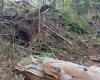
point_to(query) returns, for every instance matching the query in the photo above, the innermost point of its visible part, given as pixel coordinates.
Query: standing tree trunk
(77, 7)
(87, 6)
(2, 5)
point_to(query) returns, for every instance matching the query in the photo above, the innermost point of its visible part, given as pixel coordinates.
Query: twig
(61, 54)
(14, 41)
(17, 46)
(4, 34)
(39, 25)
(6, 27)
(58, 35)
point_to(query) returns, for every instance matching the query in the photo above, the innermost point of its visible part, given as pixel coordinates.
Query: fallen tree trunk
(36, 68)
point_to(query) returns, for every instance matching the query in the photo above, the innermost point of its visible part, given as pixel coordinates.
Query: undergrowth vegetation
(65, 35)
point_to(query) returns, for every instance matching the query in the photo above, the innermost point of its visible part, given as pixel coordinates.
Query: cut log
(55, 70)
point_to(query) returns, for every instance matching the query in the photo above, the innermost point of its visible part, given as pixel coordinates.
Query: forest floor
(45, 36)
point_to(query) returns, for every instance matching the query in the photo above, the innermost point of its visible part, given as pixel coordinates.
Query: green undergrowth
(46, 54)
(70, 20)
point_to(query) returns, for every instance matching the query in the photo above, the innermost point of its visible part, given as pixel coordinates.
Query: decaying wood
(95, 59)
(42, 9)
(56, 69)
(58, 35)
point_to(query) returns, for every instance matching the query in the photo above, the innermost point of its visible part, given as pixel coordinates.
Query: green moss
(46, 54)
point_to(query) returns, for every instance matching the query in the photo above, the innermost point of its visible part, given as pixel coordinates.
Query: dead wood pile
(41, 32)
(35, 30)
